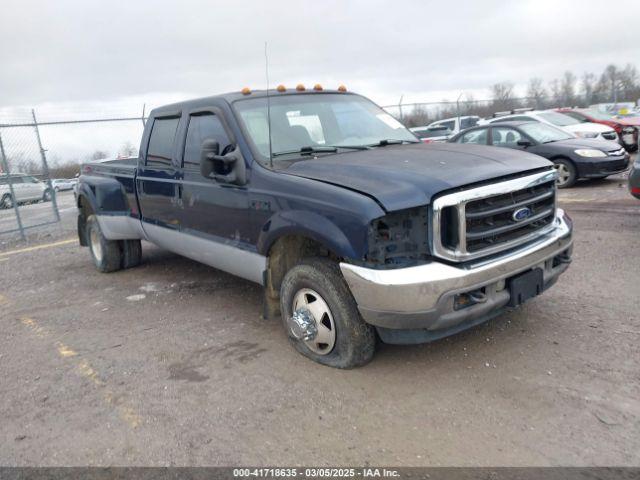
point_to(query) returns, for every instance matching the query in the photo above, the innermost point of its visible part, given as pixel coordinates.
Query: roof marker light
(342, 88)
(300, 87)
(245, 91)
(281, 88)
(317, 87)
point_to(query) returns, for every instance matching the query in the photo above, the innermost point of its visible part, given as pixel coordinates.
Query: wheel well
(284, 254)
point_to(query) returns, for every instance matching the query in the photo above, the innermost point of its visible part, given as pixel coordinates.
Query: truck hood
(405, 176)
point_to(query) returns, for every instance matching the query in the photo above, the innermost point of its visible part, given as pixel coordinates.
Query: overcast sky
(80, 55)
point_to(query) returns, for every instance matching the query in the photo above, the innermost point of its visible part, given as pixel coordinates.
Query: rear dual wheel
(111, 255)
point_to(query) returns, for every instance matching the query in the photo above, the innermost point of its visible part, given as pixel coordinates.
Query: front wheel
(567, 174)
(46, 196)
(321, 317)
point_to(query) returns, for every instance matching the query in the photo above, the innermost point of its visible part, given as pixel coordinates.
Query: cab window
(163, 134)
(206, 126)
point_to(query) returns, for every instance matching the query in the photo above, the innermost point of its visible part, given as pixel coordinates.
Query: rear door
(33, 189)
(159, 176)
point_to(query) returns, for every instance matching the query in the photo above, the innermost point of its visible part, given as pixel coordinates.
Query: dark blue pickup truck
(353, 227)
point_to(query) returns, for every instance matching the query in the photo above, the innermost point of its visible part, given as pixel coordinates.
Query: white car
(560, 120)
(25, 188)
(61, 184)
(456, 124)
(432, 134)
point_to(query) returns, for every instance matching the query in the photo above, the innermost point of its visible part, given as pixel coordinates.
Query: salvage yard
(170, 364)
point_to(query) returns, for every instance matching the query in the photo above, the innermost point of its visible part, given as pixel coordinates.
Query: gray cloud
(76, 50)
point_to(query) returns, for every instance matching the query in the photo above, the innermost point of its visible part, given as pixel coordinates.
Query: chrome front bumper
(422, 297)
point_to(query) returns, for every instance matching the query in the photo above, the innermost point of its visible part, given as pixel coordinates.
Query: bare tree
(588, 88)
(611, 76)
(568, 89)
(502, 96)
(127, 150)
(99, 155)
(556, 92)
(628, 80)
(536, 92)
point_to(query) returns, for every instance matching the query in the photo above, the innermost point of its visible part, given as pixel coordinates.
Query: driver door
(211, 207)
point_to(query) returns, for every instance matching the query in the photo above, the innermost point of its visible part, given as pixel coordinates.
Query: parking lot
(171, 364)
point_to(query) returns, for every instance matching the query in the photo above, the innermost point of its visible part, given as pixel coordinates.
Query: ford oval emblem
(522, 214)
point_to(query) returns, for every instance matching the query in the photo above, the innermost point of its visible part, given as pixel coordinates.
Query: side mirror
(228, 168)
(524, 143)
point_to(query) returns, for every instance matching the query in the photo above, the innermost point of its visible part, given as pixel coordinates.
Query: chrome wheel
(96, 245)
(563, 174)
(312, 322)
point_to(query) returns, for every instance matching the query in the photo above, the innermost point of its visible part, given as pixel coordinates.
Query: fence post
(5, 168)
(54, 201)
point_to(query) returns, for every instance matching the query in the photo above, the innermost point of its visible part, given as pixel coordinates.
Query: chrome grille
(488, 219)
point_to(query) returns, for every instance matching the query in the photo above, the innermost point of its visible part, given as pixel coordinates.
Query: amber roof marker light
(342, 88)
(281, 88)
(300, 87)
(246, 91)
(317, 87)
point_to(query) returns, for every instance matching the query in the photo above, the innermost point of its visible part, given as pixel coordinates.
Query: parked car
(62, 184)
(432, 134)
(26, 189)
(456, 124)
(634, 178)
(572, 157)
(627, 128)
(350, 223)
(557, 119)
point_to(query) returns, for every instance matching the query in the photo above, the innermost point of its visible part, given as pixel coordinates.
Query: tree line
(614, 84)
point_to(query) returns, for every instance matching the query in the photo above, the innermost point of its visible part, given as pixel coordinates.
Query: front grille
(610, 135)
(485, 220)
(491, 221)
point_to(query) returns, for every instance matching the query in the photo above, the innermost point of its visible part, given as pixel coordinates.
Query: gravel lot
(170, 364)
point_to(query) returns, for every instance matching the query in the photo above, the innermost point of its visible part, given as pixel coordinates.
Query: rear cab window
(161, 142)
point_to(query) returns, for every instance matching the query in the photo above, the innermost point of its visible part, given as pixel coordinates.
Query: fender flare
(104, 195)
(306, 224)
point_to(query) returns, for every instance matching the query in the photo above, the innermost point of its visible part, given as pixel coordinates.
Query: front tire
(46, 196)
(567, 173)
(106, 254)
(316, 292)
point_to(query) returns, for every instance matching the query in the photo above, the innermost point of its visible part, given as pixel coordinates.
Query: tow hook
(302, 325)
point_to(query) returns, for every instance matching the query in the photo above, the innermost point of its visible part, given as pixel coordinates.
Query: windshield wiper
(306, 151)
(320, 149)
(384, 143)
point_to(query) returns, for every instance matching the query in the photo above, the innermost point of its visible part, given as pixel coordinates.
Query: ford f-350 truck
(353, 227)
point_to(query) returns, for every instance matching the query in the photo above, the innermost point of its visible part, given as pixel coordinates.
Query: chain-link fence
(31, 176)
(21, 151)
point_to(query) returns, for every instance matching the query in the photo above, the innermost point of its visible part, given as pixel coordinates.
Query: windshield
(468, 122)
(543, 133)
(317, 121)
(559, 119)
(598, 115)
